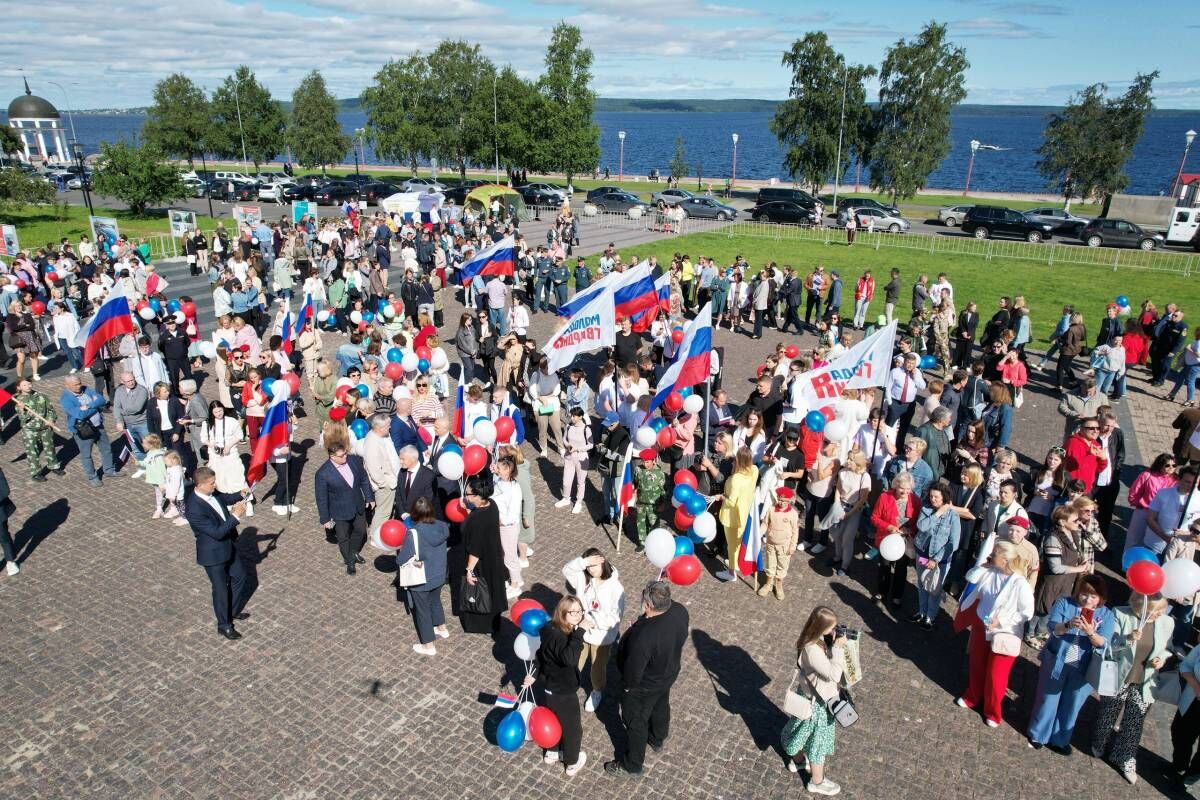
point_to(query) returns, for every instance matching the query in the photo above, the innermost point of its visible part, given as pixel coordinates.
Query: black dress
(481, 538)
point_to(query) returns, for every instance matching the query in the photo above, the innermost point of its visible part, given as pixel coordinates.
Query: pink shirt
(1146, 486)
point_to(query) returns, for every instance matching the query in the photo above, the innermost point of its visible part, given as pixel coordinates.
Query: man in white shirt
(147, 366)
(942, 292)
(382, 463)
(1172, 511)
(904, 382)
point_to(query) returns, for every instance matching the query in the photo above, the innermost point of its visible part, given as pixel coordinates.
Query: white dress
(222, 441)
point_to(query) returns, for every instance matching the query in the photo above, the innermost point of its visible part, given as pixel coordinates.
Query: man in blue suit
(214, 525)
(404, 429)
(344, 494)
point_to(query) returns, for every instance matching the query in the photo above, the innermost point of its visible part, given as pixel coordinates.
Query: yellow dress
(739, 500)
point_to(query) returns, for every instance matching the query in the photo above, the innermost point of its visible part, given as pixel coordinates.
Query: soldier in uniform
(650, 482)
(37, 416)
(941, 336)
(559, 276)
(543, 267)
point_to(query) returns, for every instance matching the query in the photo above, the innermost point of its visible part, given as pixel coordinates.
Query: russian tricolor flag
(692, 363)
(307, 313)
(273, 435)
(634, 291)
(111, 320)
(460, 416)
(626, 494)
(750, 552)
(662, 290)
(286, 332)
(495, 260)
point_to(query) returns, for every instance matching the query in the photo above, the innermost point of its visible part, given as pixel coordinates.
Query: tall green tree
(678, 166)
(1086, 145)
(240, 97)
(313, 131)
(10, 142)
(18, 189)
(920, 82)
(138, 175)
(514, 141)
(828, 98)
(458, 93)
(394, 103)
(179, 120)
(569, 139)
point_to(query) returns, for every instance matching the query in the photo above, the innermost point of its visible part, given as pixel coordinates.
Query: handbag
(842, 709)
(412, 572)
(85, 429)
(1007, 644)
(477, 598)
(795, 704)
(1103, 675)
(1167, 687)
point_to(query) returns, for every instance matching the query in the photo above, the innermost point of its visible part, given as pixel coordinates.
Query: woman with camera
(821, 659)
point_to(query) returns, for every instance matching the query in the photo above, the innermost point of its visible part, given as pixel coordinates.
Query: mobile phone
(1087, 614)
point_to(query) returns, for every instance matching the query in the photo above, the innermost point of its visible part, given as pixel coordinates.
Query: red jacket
(1081, 464)
(865, 288)
(887, 513)
(810, 445)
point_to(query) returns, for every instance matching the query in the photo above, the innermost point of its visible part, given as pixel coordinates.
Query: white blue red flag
(498, 259)
(273, 435)
(633, 291)
(111, 320)
(692, 361)
(750, 551)
(642, 320)
(626, 493)
(581, 299)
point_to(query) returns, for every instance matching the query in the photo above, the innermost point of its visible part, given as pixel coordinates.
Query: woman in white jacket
(595, 582)
(221, 434)
(996, 611)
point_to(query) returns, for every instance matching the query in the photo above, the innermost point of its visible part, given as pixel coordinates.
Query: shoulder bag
(1103, 674)
(795, 704)
(412, 572)
(477, 598)
(85, 429)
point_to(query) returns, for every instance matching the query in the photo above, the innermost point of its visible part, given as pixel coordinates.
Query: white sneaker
(172, 512)
(13, 568)
(441, 632)
(280, 510)
(593, 701)
(563, 503)
(425, 649)
(817, 549)
(294, 509)
(792, 766)
(958, 701)
(800, 547)
(73, 371)
(578, 509)
(825, 787)
(726, 576)
(524, 562)
(43, 358)
(550, 757)
(510, 592)
(180, 522)
(37, 377)
(528, 552)
(573, 770)
(991, 723)
(139, 472)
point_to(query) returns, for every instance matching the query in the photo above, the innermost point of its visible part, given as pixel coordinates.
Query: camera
(842, 630)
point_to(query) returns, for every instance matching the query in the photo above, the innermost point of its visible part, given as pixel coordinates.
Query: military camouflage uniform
(941, 341)
(650, 484)
(39, 439)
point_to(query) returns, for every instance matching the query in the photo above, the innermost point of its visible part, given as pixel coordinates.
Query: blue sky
(1020, 52)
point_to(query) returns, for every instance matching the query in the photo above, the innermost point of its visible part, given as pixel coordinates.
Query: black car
(772, 193)
(865, 202)
(619, 201)
(376, 190)
(602, 190)
(784, 211)
(538, 195)
(1119, 233)
(300, 191)
(983, 222)
(335, 192)
(357, 178)
(458, 193)
(231, 191)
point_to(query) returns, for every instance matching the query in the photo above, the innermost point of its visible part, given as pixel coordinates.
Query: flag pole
(707, 404)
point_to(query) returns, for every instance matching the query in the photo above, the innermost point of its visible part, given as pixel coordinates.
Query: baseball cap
(611, 418)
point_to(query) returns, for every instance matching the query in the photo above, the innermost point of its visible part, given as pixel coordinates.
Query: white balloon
(180, 317)
(526, 710)
(660, 548)
(693, 404)
(147, 313)
(439, 359)
(410, 361)
(892, 547)
(837, 430)
(389, 312)
(646, 437)
(207, 349)
(281, 389)
(705, 526)
(378, 544)
(1181, 578)
(664, 530)
(356, 317)
(525, 646)
(484, 431)
(323, 315)
(450, 465)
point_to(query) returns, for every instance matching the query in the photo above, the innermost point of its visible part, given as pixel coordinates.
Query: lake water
(650, 144)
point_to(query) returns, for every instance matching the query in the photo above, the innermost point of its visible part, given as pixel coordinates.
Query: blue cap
(611, 418)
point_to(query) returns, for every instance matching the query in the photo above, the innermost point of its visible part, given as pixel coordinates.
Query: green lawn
(1046, 288)
(37, 225)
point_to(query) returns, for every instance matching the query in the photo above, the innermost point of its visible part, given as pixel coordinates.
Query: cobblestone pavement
(116, 685)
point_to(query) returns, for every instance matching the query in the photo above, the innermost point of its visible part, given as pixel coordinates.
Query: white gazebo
(39, 127)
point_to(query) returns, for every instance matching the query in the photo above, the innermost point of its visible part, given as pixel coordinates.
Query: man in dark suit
(964, 335)
(415, 480)
(404, 430)
(215, 527)
(444, 488)
(1108, 482)
(344, 494)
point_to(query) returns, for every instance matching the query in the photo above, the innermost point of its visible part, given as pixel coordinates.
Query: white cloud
(995, 28)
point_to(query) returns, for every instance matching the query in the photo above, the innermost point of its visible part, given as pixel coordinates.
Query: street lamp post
(496, 124)
(241, 131)
(358, 132)
(837, 164)
(971, 165)
(70, 114)
(621, 160)
(733, 177)
(77, 151)
(1188, 138)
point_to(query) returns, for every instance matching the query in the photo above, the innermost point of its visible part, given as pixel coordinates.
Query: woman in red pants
(996, 611)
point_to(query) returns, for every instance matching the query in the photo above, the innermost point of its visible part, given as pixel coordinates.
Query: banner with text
(10, 245)
(863, 366)
(182, 221)
(591, 327)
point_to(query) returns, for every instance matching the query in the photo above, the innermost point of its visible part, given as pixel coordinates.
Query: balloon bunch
(528, 720)
(327, 318)
(1122, 305)
(675, 557)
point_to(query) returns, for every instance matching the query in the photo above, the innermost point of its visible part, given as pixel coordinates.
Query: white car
(274, 191)
(953, 215)
(422, 185)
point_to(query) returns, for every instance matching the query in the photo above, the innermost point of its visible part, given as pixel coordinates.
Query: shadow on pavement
(38, 527)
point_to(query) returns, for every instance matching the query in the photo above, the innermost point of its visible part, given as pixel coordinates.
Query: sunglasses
(1091, 428)
(422, 385)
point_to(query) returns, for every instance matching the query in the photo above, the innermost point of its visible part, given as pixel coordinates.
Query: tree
(569, 139)
(313, 131)
(517, 104)
(394, 102)
(10, 142)
(826, 111)
(1086, 145)
(678, 166)
(458, 86)
(18, 189)
(921, 81)
(179, 120)
(245, 119)
(137, 175)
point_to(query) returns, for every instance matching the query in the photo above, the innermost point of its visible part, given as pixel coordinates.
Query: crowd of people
(182, 402)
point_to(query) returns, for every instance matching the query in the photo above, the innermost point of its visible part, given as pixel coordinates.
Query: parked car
(458, 193)
(1063, 221)
(707, 208)
(376, 190)
(299, 191)
(601, 190)
(865, 202)
(335, 192)
(673, 196)
(195, 185)
(225, 175)
(771, 193)
(983, 222)
(952, 215)
(232, 191)
(274, 191)
(543, 194)
(423, 185)
(618, 201)
(272, 177)
(1119, 233)
(875, 218)
(784, 211)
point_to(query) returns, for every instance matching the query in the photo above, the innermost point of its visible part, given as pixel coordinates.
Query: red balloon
(1145, 577)
(392, 533)
(337, 413)
(455, 511)
(393, 371)
(544, 728)
(761, 369)
(140, 305)
(521, 606)
(505, 428)
(666, 438)
(37, 307)
(424, 352)
(293, 380)
(683, 520)
(189, 309)
(398, 307)
(51, 277)
(674, 401)
(686, 476)
(791, 351)
(340, 393)
(828, 413)
(677, 336)
(474, 459)
(21, 284)
(684, 570)
(362, 326)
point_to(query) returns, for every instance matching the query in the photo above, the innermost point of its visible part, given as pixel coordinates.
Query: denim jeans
(85, 454)
(74, 354)
(1104, 380)
(499, 320)
(1188, 374)
(608, 489)
(860, 312)
(1118, 387)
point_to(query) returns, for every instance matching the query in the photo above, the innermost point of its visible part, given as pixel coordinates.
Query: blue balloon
(368, 316)
(657, 424)
(223, 343)
(331, 320)
(684, 546)
(395, 355)
(267, 383)
(696, 504)
(423, 366)
(685, 392)
(174, 305)
(156, 304)
(363, 390)
(360, 428)
(511, 733)
(692, 537)
(1136, 554)
(533, 620)
(381, 306)
(451, 447)
(928, 361)
(683, 493)
(1122, 300)
(814, 421)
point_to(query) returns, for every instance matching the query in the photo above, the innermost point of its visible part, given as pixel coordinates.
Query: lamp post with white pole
(241, 131)
(496, 124)
(733, 177)
(621, 159)
(1188, 138)
(70, 115)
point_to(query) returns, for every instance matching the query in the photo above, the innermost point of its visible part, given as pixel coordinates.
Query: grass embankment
(1046, 288)
(37, 225)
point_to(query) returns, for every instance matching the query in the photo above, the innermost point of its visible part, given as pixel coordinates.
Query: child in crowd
(650, 484)
(156, 469)
(782, 533)
(172, 488)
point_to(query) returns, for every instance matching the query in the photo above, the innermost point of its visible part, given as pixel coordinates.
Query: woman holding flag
(737, 503)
